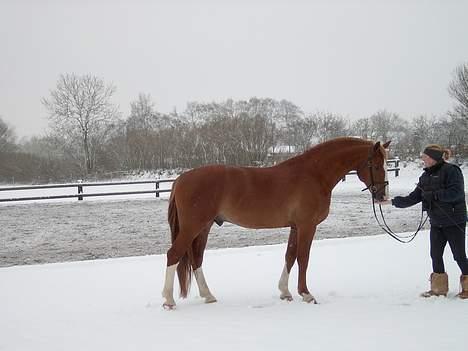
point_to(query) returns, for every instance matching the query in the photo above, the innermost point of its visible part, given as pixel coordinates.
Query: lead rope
(405, 239)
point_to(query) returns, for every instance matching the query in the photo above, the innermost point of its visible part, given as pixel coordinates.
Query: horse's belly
(269, 209)
(255, 219)
(259, 224)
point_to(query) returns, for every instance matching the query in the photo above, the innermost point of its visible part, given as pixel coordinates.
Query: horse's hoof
(309, 298)
(210, 299)
(168, 306)
(288, 298)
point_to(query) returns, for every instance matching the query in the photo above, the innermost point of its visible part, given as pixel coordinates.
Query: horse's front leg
(304, 241)
(290, 257)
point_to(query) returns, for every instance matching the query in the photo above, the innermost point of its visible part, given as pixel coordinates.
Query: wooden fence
(80, 193)
(393, 163)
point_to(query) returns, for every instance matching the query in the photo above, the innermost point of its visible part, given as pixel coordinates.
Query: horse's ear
(387, 144)
(376, 146)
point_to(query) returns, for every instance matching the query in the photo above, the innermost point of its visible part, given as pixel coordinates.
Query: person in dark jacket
(442, 193)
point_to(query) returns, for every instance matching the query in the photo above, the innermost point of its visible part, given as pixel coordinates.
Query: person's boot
(439, 285)
(464, 287)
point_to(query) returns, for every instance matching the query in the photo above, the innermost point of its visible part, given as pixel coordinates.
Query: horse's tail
(184, 268)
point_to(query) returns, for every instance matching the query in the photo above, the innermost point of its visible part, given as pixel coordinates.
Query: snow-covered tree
(81, 113)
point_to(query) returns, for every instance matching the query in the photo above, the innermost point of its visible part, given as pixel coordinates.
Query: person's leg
(439, 279)
(438, 242)
(456, 238)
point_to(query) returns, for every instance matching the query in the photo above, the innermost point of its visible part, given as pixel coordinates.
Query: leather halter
(374, 187)
(405, 239)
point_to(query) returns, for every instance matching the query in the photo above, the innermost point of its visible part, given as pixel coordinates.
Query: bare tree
(141, 130)
(256, 135)
(288, 114)
(330, 126)
(304, 132)
(385, 125)
(80, 112)
(7, 137)
(422, 133)
(458, 89)
(362, 128)
(452, 132)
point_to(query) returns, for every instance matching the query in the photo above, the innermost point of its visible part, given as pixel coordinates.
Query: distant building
(279, 153)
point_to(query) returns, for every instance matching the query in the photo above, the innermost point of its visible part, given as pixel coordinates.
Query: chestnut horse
(295, 193)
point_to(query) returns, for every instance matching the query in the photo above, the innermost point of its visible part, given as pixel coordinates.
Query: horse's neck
(338, 163)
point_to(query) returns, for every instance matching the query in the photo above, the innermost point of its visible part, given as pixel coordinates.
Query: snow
(367, 288)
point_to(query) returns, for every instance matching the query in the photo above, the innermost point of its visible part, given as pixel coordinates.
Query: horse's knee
(290, 259)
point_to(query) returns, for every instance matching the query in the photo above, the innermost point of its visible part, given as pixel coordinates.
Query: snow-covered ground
(367, 290)
(367, 287)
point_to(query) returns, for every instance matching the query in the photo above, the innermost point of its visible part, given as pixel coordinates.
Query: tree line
(88, 136)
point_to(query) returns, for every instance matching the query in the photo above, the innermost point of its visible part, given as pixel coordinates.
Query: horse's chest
(315, 208)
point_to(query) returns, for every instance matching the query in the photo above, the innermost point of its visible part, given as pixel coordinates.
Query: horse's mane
(340, 142)
(325, 147)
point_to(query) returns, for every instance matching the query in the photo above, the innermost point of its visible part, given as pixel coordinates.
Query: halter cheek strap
(373, 185)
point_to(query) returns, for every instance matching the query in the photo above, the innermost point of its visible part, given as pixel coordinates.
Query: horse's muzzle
(378, 193)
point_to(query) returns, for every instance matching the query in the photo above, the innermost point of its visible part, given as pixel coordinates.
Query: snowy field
(367, 289)
(367, 286)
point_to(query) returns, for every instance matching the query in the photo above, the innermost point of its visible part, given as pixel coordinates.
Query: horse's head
(373, 172)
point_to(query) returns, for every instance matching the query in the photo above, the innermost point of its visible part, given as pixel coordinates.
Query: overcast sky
(348, 57)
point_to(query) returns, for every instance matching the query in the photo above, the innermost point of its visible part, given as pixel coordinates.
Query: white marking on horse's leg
(283, 285)
(203, 286)
(309, 298)
(168, 290)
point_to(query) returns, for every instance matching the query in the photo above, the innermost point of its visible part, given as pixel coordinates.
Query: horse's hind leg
(198, 248)
(168, 289)
(290, 257)
(175, 253)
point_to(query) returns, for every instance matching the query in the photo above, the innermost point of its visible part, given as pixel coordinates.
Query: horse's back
(227, 181)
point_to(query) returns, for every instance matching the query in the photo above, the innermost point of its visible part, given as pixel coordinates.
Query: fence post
(80, 191)
(157, 188)
(397, 166)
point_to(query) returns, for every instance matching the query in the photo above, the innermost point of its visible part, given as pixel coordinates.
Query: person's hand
(384, 202)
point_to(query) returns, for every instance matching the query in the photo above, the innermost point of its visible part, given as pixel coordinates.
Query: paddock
(367, 288)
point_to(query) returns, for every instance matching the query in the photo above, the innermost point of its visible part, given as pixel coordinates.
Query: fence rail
(395, 167)
(81, 195)
(80, 186)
